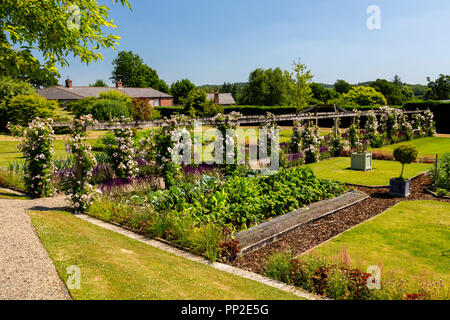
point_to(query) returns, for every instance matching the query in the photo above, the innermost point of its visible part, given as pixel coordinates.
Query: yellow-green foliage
(364, 96)
(22, 109)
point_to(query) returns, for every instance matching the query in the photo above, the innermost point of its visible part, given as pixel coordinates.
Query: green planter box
(362, 161)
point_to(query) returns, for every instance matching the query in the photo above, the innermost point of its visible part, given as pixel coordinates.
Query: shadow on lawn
(44, 209)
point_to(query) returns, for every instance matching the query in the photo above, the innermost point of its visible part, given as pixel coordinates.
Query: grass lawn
(411, 240)
(339, 169)
(116, 267)
(9, 152)
(427, 146)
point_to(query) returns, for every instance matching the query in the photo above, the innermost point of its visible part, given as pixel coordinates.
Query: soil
(313, 234)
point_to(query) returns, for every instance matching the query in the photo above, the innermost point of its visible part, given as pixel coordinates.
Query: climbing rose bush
(405, 126)
(311, 139)
(336, 142)
(270, 129)
(371, 128)
(122, 154)
(227, 125)
(37, 146)
(389, 122)
(418, 123)
(295, 145)
(429, 124)
(77, 184)
(167, 142)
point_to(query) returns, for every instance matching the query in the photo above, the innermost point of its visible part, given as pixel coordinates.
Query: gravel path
(26, 270)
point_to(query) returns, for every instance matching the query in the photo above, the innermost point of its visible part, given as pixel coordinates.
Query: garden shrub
(109, 110)
(443, 172)
(82, 107)
(364, 96)
(142, 110)
(22, 109)
(10, 88)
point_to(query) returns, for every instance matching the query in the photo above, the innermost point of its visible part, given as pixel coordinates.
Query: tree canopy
(438, 89)
(48, 27)
(364, 96)
(98, 83)
(342, 86)
(130, 69)
(394, 92)
(181, 89)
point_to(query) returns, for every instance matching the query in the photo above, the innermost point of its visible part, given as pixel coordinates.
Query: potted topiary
(401, 187)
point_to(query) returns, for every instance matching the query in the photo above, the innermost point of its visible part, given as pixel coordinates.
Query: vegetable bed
(202, 216)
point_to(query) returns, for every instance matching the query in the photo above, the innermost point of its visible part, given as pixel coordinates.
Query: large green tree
(265, 88)
(342, 86)
(55, 29)
(322, 94)
(438, 89)
(181, 89)
(130, 69)
(298, 88)
(392, 91)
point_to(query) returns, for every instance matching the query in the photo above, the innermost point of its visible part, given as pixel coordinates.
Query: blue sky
(212, 41)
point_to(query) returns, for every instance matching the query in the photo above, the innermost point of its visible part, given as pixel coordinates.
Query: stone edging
(218, 266)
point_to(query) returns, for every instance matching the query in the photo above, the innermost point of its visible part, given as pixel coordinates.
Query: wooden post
(436, 175)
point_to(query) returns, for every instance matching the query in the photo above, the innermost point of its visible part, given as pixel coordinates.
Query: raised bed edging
(259, 230)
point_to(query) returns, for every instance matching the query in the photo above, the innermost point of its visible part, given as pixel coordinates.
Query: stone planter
(362, 161)
(400, 188)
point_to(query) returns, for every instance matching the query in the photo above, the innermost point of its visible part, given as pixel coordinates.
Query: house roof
(76, 93)
(224, 98)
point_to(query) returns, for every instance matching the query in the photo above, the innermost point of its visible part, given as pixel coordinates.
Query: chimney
(119, 84)
(68, 83)
(216, 97)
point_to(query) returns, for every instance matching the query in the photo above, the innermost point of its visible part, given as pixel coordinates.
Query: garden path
(26, 270)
